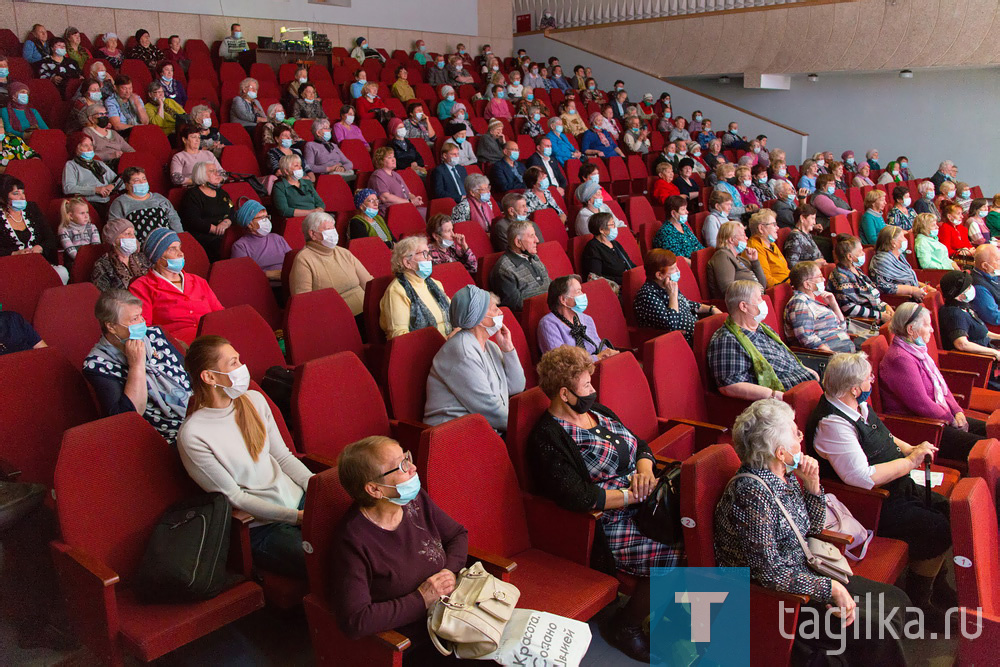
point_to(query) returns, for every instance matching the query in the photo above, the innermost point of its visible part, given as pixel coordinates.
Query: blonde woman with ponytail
(230, 444)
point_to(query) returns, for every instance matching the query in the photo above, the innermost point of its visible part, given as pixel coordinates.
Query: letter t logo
(701, 612)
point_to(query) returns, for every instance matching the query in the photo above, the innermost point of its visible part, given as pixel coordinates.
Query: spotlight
(906, 74)
(723, 80)
(813, 77)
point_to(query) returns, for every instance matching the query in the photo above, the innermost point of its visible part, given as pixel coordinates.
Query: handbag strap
(798, 535)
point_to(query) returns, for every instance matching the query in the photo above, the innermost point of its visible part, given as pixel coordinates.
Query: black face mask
(583, 404)
(103, 122)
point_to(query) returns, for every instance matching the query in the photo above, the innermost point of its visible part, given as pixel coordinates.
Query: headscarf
(598, 119)
(13, 105)
(114, 228)
(358, 41)
(157, 243)
(451, 129)
(394, 124)
(586, 191)
(455, 108)
(361, 195)
(248, 211)
(846, 154)
(446, 90)
(139, 33)
(469, 307)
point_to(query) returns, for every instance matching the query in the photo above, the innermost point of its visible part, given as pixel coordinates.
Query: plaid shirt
(812, 323)
(856, 294)
(800, 247)
(730, 364)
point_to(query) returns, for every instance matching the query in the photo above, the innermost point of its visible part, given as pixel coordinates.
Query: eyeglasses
(404, 466)
(422, 255)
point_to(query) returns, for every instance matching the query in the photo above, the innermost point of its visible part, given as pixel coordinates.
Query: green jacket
(287, 197)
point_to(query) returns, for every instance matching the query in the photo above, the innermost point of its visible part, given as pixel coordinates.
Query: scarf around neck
(923, 356)
(578, 330)
(762, 368)
(170, 396)
(420, 315)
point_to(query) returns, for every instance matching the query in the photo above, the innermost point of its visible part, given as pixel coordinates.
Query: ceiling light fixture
(905, 74)
(814, 77)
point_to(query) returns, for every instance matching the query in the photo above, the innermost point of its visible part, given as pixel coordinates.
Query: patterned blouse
(652, 309)
(856, 294)
(535, 204)
(762, 191)
(800, 247)
(14, 148)
(109, 273)
(751, 531)
(602, 449)
(900, 219)
(682, 243)
(441, 255)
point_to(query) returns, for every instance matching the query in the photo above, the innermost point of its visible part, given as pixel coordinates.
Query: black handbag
(277, 384)
(185, 559)
(816, 362)
(659, 515)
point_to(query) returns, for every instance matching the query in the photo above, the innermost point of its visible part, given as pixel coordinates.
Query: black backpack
(185, 559)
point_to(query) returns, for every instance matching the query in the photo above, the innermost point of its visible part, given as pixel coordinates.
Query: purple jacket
(906, 387)
(552, 333)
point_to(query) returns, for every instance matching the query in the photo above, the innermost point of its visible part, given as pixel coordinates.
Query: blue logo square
(701, 615)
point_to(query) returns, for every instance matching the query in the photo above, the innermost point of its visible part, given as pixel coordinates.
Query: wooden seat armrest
(394, 640)
(498, 566)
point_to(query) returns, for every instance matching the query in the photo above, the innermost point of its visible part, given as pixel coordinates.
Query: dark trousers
(277, 547)
(956, 443)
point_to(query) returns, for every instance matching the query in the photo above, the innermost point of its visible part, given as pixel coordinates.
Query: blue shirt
(985, 303)
(32, 53)
(562, 149)
(807, 183)
(356, 88)
(590, 141)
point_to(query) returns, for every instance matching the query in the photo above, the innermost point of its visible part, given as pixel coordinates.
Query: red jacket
(663, 189)
(954, 237)
(366, 108)
(177, 313)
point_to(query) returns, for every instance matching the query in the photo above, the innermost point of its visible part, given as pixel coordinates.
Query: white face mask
(401, 132)
(497, 324)
(762, 312)
(263, 227)
(330, 238)
(128, 245)
(240, 379)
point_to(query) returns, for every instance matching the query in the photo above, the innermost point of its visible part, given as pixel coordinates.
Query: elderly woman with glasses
(163, 111)
(323, 156)
(413, 300)
(777, 484)
(395, 552)
(566, 322)
(890, 271)
(472, 374)
(123, 262)
(854, 446)
(206, 209)
(477, 205)
(246, 110)
(585, 459)
(134, 367)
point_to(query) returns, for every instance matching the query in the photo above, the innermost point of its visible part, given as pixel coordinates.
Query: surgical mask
(460, 117)
(419, 115)
(327, 135)
(969, 294)
(683, 218)
(613, 234)
(670, 154)
(763, 179)
(101, 76)
(370, 96)
(446, 243)
(400, 132)
(746, 183)
(87, 155)
(951, 194)
(558, 129)
(934, 234)
(166, 79)
(907, 201)
(514, 155)
(965, 194)
(530, 97)
(207, 121)
(740, 247)
(450, 98)
(440, 64)
(407, 490)
(4, 72)
(95, 96)
(796, 459)
(737, 132)
(697, 117)
(497, 325)
(919, 341)
(298, 174)
(484, 197)
(595, 177)
(791, 198)
(287, 143)
(135, 332)
(240, 379)
(454, 162)
(782, 171)
(904, 164)
(929, 194)
(303, 79)
(537, 117)
(761, 312)
(583, 404)
(330, 238)
(521, 218)
(349, 119)
(903, 247)
(279, 116)
(667, 114)
(128, 246)
(756, 149)
(820, 285)
(830, 189)
(580, 303)
(599, 202)
(982, 213)
(591, 87)
(544, 185)
(175, 264)
(362, 82)
(60, 52)
(696, 153)
(422, 47)
(252, 94)
(850, 160)
(675, 276)
(424, 268)
(238, 34)
(22, 98)
(371, 212)
(863, 396)
(19, 204)
(572, 111)
(821, 162)
(263, 227)
(140, 189)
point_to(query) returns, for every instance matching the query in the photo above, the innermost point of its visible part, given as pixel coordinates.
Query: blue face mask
(440, 64)
(279, 116)
(536, 117)
(598, 203)
(675, 276)
(580, 303)
(450, 98)
(683, 218)
(22, 98)
(863, 396)
(613, 234)
(529, 97)
(558, 129)
(140, 189)
(904, 164)
(175, 265)
(521, 218)
(424, 268)
(919, 341)
(87, 155)
(484, 197)
(137, 331)
(544, 185)
(547, 151)
(459, 140)
(741, 246)
(4, 72)
(859, 262)
(371, 212)
(934, 234)
(19, 204)
(286, 143)
(407, 491)
(830, 189)
(796, 459)
(791, 198)
(514, 155)
(326, 135)
(501, 94)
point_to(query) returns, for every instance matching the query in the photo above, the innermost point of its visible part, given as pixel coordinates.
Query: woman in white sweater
(229, 443)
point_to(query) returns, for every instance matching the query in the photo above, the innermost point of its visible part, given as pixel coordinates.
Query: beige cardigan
(318, 267)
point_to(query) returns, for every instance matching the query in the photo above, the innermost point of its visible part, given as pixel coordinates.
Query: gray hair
(741, 291)
(108, 309)
(758, 430)
(474, 181)
(516, 231)
(844, 371)
(947, 164)
(784, 186)
(285, 163)
(153, 87)
(312, 222)
(404, 248)
(871, 152)
(273, 109)
(510, 199)
(925, 186)
(200, 109)
(319, 124)
(908, 313)
(245, 84)
(95, 109)
(553, 120)
(199, 173)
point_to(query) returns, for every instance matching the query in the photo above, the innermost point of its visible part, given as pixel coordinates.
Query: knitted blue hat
(361, 195)
(157, 243)
(248, 211)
